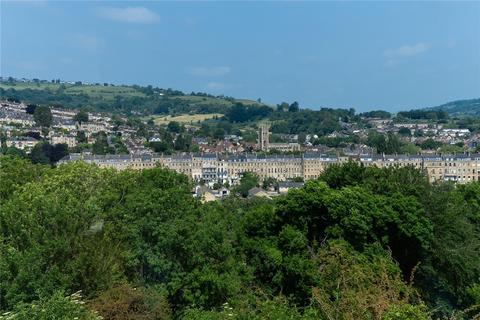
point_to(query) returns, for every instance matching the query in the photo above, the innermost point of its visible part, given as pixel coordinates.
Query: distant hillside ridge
(128, 99)
(460, 108)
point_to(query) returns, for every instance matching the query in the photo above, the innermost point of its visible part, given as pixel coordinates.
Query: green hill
(117, 98)
(460, 108)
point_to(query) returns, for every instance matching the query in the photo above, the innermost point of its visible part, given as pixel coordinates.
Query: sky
(365, 55)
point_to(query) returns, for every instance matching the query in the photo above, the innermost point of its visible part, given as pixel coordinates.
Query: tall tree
(81, 116)
(294, 107)
(43, 116)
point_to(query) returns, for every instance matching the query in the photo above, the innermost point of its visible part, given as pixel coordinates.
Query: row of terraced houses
(229, 168)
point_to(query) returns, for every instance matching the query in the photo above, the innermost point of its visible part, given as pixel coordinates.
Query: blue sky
(365, 55)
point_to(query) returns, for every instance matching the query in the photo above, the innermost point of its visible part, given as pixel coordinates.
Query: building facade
(213, 168)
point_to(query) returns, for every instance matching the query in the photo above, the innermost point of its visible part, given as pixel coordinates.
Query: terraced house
(229, 168)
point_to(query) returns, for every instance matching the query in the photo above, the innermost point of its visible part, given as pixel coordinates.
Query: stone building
(264, 143)
(212, 168)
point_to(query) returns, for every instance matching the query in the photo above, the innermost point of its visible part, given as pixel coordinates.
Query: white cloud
(130, 14)
(407, 50)
(210, 71)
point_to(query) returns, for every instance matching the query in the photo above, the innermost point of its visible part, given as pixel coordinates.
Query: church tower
(263, 133)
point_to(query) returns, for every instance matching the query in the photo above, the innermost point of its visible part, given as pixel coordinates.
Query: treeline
(358, 243)
(150, 103)
(424, 114)
(377, 114)
(323, 121)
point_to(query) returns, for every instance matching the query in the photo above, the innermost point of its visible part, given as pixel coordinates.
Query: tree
(13, 151)
(174, 126)
(14, 173)
(160, 146)
(81, 116)
(270, 183)
(282, 107)
(101, 144)
(52, 239)
(81, 137)
(449, 211)
(45, 153)
(183, 142)
(162, 108)
(377, 114)
(410, 148)
(39, 153)
(57, 152)
(404, 132)
(294, 107)
(248, 181)
(361, 285)
(43, 116)
(388, 144)
(430, 144)
(31, 108)
(360, 217)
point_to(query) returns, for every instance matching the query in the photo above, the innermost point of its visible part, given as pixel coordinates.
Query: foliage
(423, 114)
(241, 113)
(387, 144)
(321, 122)
(430, 144)
(455, 246)
(248, 181)
(358, 243)
(81, 116)
(16, 172)
(461, 108)
(43, 116)
(45, 153)
(55, 307)
(406, 312)
(358, 285)
(124, 302)
(51, 236)
(376, 114)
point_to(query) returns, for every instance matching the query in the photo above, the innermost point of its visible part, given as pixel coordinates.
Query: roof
(290, 184)
(257, 192)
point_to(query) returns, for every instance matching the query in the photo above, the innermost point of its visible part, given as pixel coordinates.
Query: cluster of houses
(423, 130)
(22, 132)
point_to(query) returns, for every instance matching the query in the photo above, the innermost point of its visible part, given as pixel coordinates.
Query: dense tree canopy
(358, 243)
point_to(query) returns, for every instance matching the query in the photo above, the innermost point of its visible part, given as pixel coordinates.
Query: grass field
(108, 93)
(198, 100)
(185, 118)
(98, 91)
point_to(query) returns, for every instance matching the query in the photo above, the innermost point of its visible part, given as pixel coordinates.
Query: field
(103, 98)
(199, 100)
(186, 118)
(97, 91)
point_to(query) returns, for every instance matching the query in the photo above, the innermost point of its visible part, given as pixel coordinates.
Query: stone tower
(263, 133)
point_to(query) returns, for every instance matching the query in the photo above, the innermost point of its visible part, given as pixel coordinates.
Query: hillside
(109, 98)
(460, 108)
